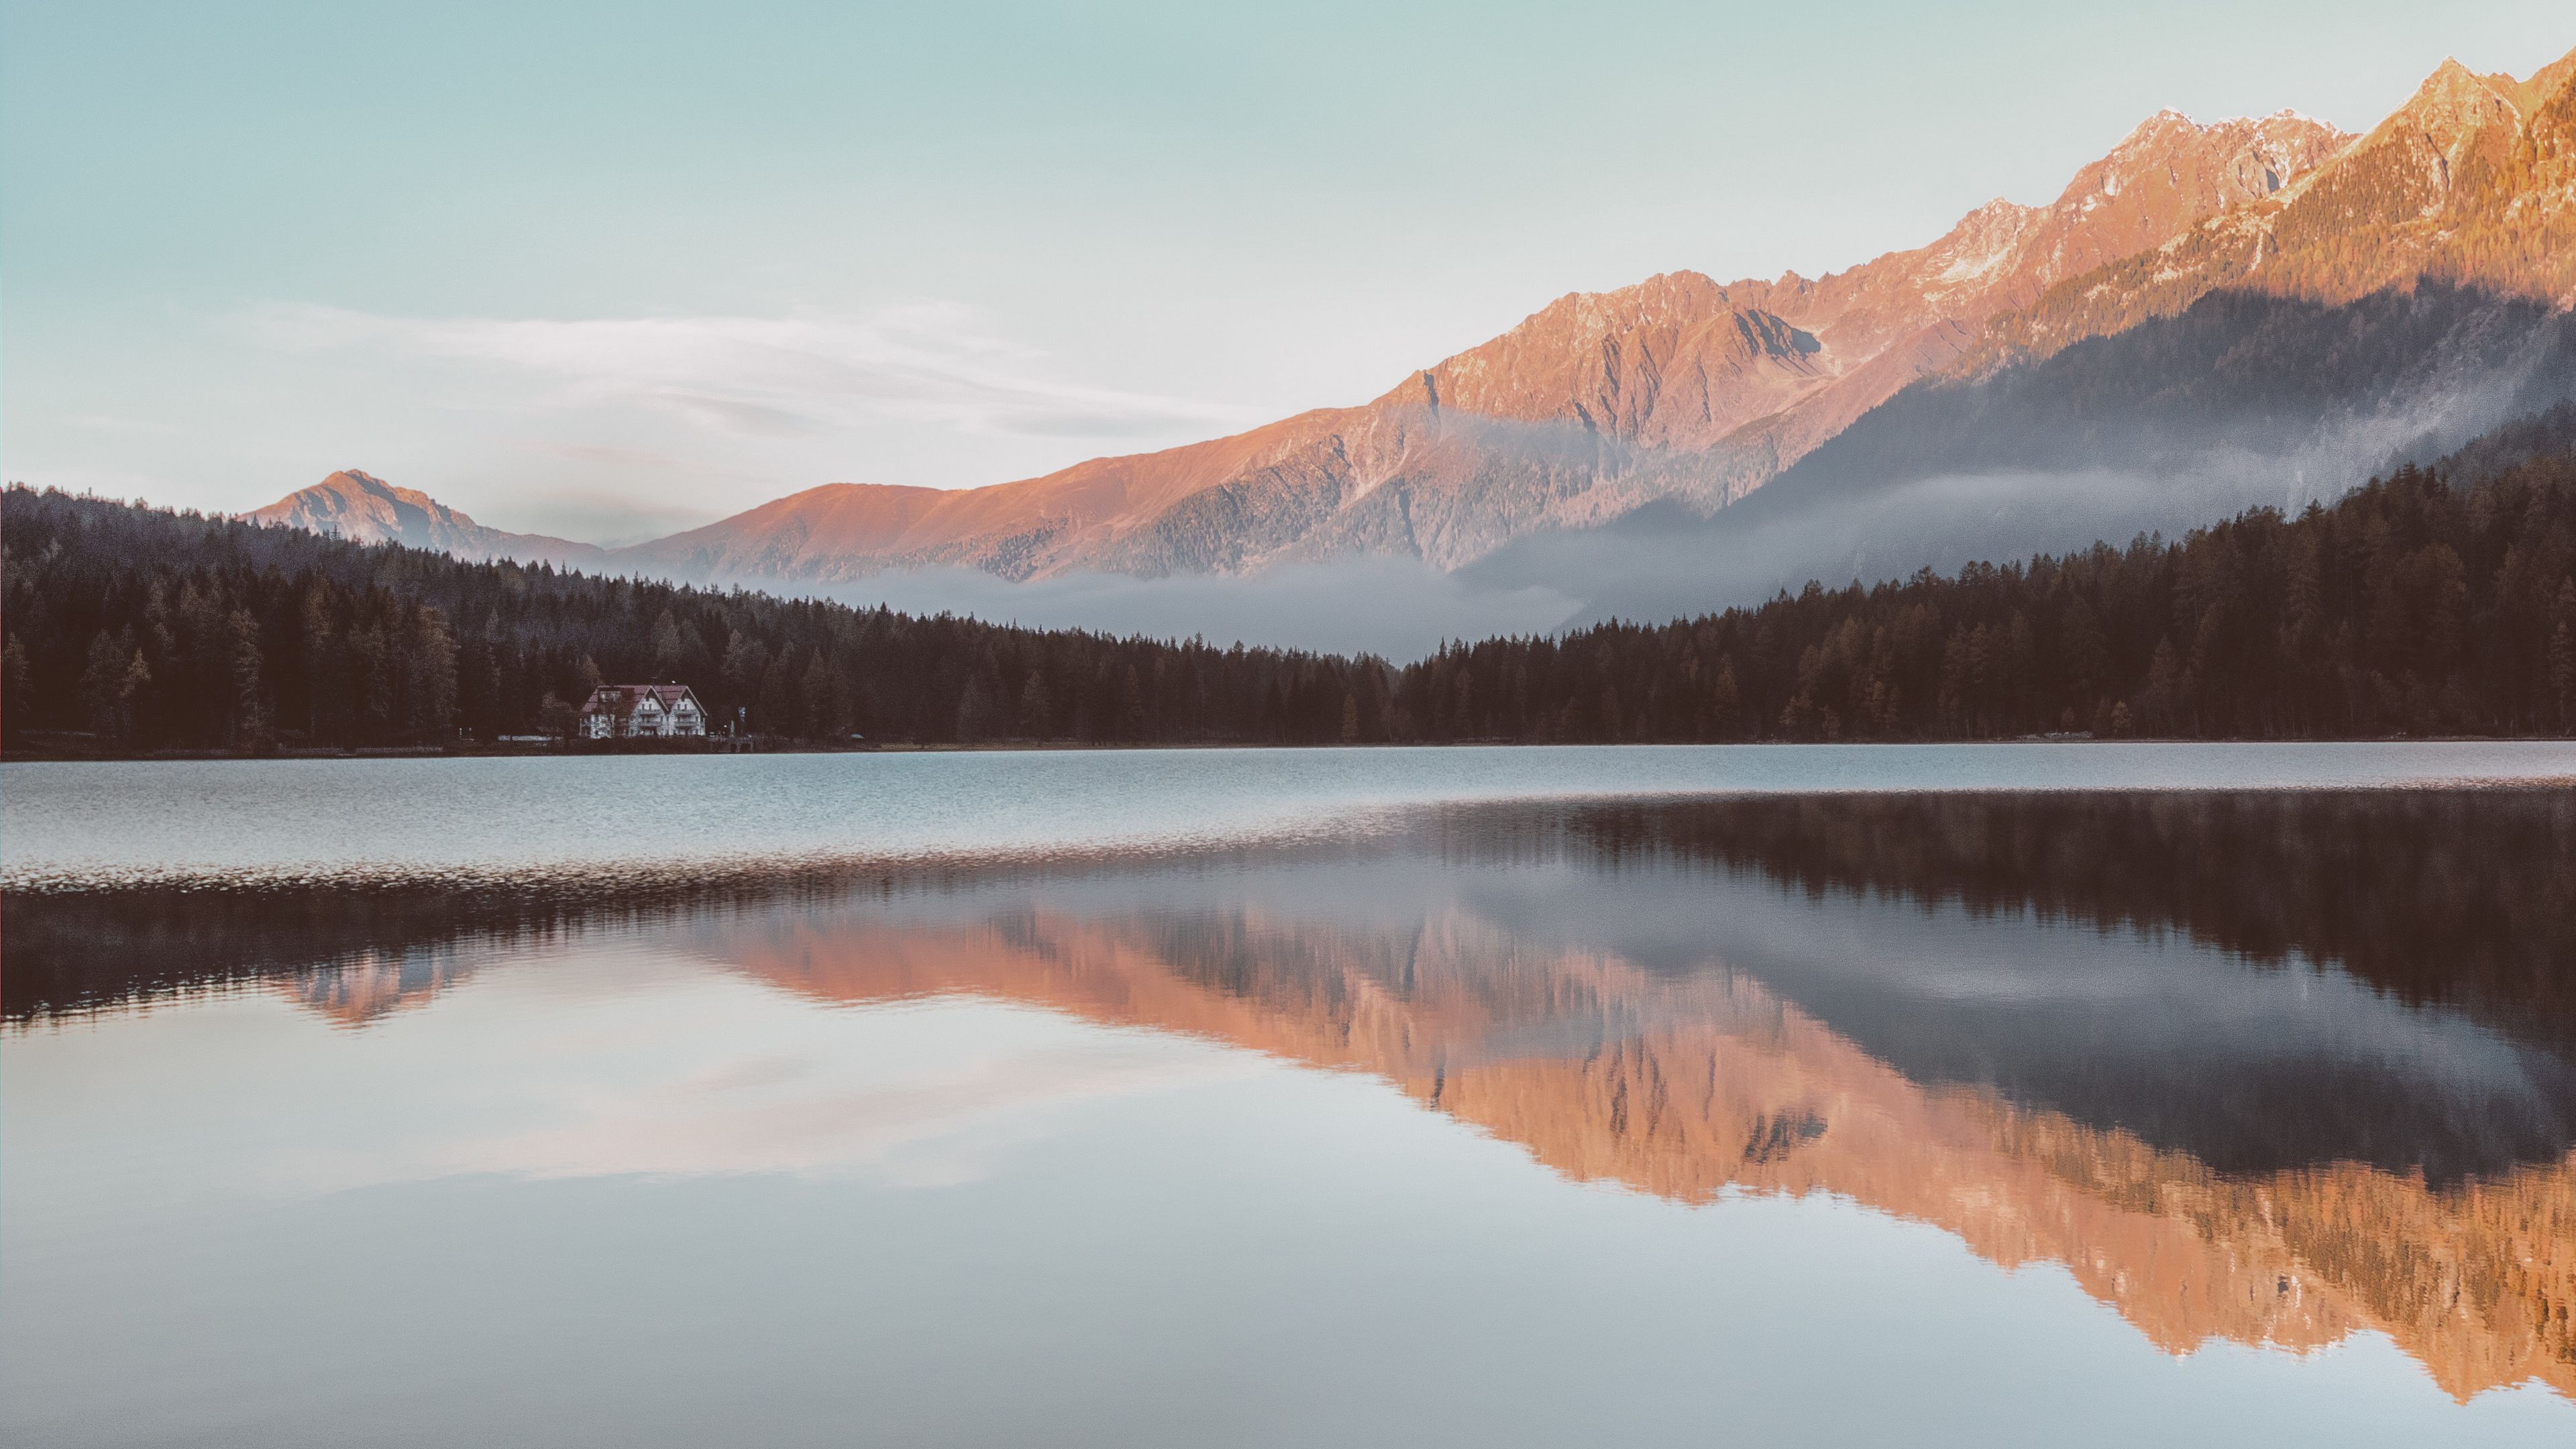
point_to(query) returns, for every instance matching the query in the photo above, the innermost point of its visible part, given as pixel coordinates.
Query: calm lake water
(505, 821)
(2225, 1094)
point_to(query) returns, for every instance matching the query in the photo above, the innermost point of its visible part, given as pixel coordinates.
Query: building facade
(642, 711)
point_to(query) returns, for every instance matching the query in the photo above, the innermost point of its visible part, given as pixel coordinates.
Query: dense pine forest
(2412, 606)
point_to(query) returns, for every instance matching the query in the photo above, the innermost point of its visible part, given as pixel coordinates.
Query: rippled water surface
(495, 820)
(1508, 1097)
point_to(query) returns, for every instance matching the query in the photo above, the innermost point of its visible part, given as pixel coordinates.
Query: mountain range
(2209, 315)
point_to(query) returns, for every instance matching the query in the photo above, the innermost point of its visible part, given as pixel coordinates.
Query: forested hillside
(2412, 606)
(176, 630)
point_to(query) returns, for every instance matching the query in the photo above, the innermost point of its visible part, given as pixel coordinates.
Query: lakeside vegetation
(2413, 605)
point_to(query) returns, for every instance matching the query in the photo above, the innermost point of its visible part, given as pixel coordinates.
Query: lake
(1977, 1095)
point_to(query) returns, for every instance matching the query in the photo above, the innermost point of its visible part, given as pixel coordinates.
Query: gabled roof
(624, 699)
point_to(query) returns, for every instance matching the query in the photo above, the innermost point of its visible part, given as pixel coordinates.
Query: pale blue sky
(600, 269)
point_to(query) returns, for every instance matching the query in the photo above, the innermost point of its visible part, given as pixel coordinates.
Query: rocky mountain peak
(360, 507)
(1674, 361)
(2471, 182)
(2447, 111)
(2172, 169)
(2488, 133)
(357, 505)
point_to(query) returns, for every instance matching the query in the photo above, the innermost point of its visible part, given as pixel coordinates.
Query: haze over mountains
(2249, 311)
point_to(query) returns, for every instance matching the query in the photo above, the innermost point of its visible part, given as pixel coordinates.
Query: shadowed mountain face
(2246, 399)
(2263, 1067)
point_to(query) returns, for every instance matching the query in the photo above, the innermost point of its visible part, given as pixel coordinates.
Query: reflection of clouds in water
(692, 1075)
(804, 1114)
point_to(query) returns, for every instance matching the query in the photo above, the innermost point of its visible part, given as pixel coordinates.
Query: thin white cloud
(765, 376)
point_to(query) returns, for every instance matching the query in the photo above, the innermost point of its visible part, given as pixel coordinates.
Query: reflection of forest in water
(2454, 897)
(2439, 896)
(2266, 1067)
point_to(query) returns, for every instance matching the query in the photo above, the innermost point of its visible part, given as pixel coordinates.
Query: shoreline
(614, 751)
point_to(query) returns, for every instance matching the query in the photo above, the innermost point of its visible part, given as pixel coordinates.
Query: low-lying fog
(1400, 609)
(1659, 563)
(1664, 562)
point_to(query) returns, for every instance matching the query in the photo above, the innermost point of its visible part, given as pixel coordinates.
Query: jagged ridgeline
(2438, 600)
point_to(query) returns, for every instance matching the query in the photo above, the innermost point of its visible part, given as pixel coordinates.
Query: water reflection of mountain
(1686, 1084)
(2246, 1066)
(2462, 902)
(2266, 1068)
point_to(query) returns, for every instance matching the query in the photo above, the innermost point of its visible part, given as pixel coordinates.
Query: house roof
(628, 698)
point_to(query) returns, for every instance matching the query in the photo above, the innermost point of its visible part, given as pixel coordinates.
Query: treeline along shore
(2419, 604)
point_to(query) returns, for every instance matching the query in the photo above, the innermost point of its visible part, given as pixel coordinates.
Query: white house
(635, 711)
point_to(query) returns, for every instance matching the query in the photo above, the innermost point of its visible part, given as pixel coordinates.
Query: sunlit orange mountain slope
(2472, 181)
